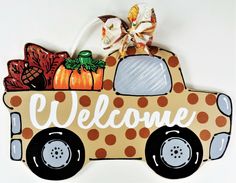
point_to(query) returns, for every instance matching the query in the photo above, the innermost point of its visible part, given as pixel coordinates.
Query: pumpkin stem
(84, 60)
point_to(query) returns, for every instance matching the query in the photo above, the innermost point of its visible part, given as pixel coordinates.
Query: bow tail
(124, 46)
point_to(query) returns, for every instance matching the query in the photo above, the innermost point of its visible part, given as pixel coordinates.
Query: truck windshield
(142, 75)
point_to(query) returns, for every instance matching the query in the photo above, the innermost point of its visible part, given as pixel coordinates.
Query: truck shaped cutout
(144, 111)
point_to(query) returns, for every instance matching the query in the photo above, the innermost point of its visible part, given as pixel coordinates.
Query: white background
(201, 32)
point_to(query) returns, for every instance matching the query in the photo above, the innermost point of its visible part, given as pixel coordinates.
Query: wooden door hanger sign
(133, 104)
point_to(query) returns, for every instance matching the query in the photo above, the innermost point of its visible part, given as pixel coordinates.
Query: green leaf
(72, 64)
(101, 63)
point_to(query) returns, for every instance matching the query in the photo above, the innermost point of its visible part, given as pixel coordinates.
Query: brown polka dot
(130, 133)
(142, 102)
(101, 153)
(93, 134)
(221, 121)
(153, 50)
(110, 139)
(130, 151)
(192, 98)
(107, 84)
(202, 117)
(144, 132)
(173, 61)
(131, 50)
(205, 135)
(85, 101)
(210, 99)
(162, 101)
(27, 133)
(60, 96)
(118, 102)
(15, 101)
(110, 61)
(178, 87)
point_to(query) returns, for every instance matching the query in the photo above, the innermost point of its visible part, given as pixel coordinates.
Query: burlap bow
(142, 21)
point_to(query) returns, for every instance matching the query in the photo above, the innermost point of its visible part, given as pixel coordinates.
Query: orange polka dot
(85, 101)
(15, 101)
(142, 102)
(131, 50)
(173, 61)
(110, 139)
(60, 96)
(27, 133)
(205, 135)
(144, 132)
(118, 102)
(101, 153)
(178, 87)
(221, 121)
(210, 99)
(93, 134)
(107, 84)
(202, 117)
(162, 101)
(110, 61)
(130, 133)
(192, 98)
(130, 151)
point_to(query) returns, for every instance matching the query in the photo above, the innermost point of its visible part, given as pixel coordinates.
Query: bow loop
(142, 21)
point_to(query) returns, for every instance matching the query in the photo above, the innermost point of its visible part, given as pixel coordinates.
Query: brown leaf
(46, 60)
(14, 84)
(15, 68)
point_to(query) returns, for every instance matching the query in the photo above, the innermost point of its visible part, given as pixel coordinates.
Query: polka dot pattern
(153, 50)
(110, 61)
(15, 101)
(178, 87)
(130, 133)
(205, 135)
(93, 134)
(107, 84)
(130, 151)
(221, 121)
(118, 102)
(210, 99)
(27, 133)
(142, 102)
(144, 132)
(85, 101)
(110, 139)
(202, 117)
(173, 61)
(101, 153)
(192, 98)
(162, 101)
(131, 51)
(60, 96)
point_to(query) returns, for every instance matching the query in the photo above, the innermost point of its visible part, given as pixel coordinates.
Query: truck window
(142, 75)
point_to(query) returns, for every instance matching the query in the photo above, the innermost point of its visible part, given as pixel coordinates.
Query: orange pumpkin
(79, 78)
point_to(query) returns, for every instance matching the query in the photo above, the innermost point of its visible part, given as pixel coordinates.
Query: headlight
(218, 145)
(224, 104)
(16, 150)
(15, 123)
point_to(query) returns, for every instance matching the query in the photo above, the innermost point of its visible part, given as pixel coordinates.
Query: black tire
(55, 154)
(163, 156)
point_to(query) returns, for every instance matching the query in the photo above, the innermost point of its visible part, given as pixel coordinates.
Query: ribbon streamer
(142, 21)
